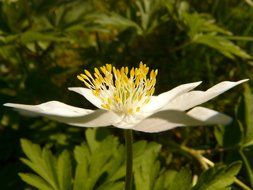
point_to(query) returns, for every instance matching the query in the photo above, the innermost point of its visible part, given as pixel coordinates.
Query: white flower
(125, 100)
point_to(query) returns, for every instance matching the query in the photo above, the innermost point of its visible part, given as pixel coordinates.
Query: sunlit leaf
(98, 160)
(35, 181)
(64, 171)
(181, 180)
(146, 165)
(40, 161)
(218, 178)
(223, 45)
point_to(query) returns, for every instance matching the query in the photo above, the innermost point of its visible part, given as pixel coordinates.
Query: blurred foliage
(44, 44)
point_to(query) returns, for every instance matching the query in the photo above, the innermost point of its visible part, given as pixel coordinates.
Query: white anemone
(125, 100)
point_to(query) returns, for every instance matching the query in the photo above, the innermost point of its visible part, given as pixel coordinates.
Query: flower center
(121, 90)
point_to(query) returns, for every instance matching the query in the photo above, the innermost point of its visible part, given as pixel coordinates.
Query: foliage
(99, 164)
(94, 167)
(218, 177)
(44, 44)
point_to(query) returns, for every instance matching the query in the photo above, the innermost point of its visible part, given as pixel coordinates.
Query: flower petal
(49, 108)
(194, 98)
(129, 121)
(157, 102)
(68, 114)
(87, 93)
(211, 117)
(169, 119)
(99, 118)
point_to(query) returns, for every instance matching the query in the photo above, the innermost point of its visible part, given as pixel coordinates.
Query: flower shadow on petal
(98, 118)
(169, 119)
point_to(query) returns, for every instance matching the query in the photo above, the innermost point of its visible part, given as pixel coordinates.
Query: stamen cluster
(121, 90)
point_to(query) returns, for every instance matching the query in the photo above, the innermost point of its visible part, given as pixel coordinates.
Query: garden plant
(113, 95)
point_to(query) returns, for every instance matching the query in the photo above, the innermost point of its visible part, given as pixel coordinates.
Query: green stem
(197, 155)
(241, 184)
(129, 158)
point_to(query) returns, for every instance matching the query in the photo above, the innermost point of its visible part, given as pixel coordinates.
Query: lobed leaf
(218, 178)
(35, 181)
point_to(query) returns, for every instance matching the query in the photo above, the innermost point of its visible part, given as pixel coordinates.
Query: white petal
(99, 118)
(165, 120)
(169, 119)
(211, 117)
(129, 121)
(49, 108)
(157, 102)
(87, 93)
(194, 98)
(68, 114)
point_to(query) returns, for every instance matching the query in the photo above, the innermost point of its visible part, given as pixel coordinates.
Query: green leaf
(64, 169)
(182, 180)
(117, 21)
(38, 168)
(147, 17)
(112, 186)
(248, 106)
(221, 44)
(201, 23)
(32, 151)
(99, 163)
(146, 165)
(81, 173)
(148, 11)
(168, 179)
(32, 36)
(50, 165)
(35, 181)
(218, 178)
(50, 170)
(202, 29)
(36, 162)
(148, 173)
(229, 135)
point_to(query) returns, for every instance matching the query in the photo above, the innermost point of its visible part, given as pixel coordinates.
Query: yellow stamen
(121, 90)
(80, 78)
(88, 73)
